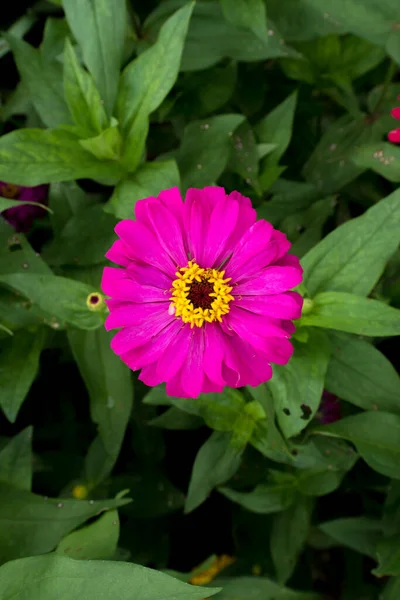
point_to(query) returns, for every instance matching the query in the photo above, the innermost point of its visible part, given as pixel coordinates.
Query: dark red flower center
(94, 299)
(9, 190)
(199, 294)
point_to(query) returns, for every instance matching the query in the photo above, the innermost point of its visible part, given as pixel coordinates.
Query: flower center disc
(200, 295)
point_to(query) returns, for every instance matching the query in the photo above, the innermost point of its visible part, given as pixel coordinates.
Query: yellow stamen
(219, 298)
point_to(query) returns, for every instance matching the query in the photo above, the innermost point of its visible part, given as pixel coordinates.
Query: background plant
(289, 103)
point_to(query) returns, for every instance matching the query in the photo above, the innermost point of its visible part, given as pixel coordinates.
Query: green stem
(388, 79)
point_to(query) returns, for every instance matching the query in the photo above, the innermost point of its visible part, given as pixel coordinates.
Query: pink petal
(220, 228)
(254, 328)
(144, 331)
(150, 276)
(116, 283)
(278, 350)
(252, 244)
(172, 200)
(198, 208)
(213, 353)
(209, 387)
(279, 306)
(140, 356)
(396, 112)
(119, 254)
(274, 280)
(192, 372)
(149, 375)
(174, 387)
(247, 216)
(175, 355)
(168, 232)
(394, 136)
(128, 314)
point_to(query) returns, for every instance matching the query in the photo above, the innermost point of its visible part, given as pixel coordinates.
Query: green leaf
(49, 577)
(5, 203)
(19, 363)
(176, 419)
(244, 157)
(84, 240)
(16, 461)
(360, 374)
(392, 589)
(205, 149)
(149, 180)
(353, 256)
(359, 533)
(59, 297)
(265, 498)
(298, 21)
(353, 314)
(65, 199)
(289, 535)
(108, 381)
(381, 157)
(33, 156)
(99, 26)
(297, 387)
(249, 14)
(388, 553)
(147, 80)
(32, 525)
(105, 146)
(376, 436)
(216, 462)
(43, 82)
(82, 96)
(97, 541)
(276, 128)
(258, 588)
(311, 221)
(56, 31)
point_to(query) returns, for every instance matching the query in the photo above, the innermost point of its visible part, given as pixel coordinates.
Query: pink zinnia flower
(203, 299)
(394, 135)
(329, 410)
(22, 217)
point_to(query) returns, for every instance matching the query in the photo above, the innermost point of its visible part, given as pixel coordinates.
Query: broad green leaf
(216, 462)
(353, 257)
(297, 387)
(5, 203)
(211, 37)
(388, 554)
(149, 180)
(43, 81)
(82, 96)
(311, 223)
(17, 30)
(319, 482)
(16, 461)
(353, 314)
(19, 363)
(360, 374)
(289, 197)
(31, 524)
(359, 533)
(392, 589)
(33, 156)
(376, 435)
(288, 536)
(381, 157)
(299, 21)
(58, 297)
(84, 240)
(99, 26)
(55, 32)
(176, 419)
(108, 381)
(276, 128)
(245, 157)
(17, 255)
(330, 167)
(65, 199)
(107, 145)
(205, 149)
(147, 80)
(265, 498)
(52, 576)
(97, 541)
(258, 588)
(249, 14)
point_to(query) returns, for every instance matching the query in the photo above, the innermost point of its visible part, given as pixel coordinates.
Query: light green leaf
(381, 157)
(43, 81)
(149, 180)
(31, 524)
(5, 203)
(353, 314)
(16, 461)
(82, 96)
(289, 535)
(376, 436)
(250, 14)
(97, 541)
(84, 240)
(265, 498)
(99, 26)
(65, 199)
(109, 384)
(176, 419)
(205, 149)
(388, 553)
(56, 31)
(244, 157)
(298, 21)
(276, 128)
(147, 80)
(59, 297)
(297, 387)
(359, 533)
(18, 29)
(33, 156)
(19, 363)
(353, 257)
(105, 146)
(258, 588)
(216, 462)
(360, 374)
